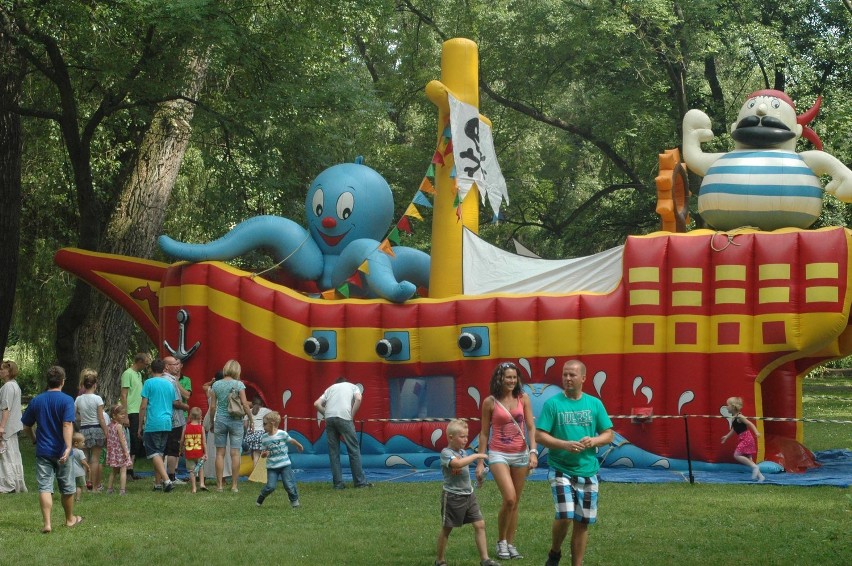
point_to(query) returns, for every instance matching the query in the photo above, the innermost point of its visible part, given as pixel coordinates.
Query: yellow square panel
(773, 295)
(821, 271)
(730, 296)
(730, 273)
(644, 275)
(686, 275)
(686, 299)
(821, 295)
(774, 271)
(645, 297)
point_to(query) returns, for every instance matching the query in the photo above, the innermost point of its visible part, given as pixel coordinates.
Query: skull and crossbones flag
(474, 155)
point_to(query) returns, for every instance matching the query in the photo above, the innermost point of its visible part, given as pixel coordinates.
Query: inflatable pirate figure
(763, 183)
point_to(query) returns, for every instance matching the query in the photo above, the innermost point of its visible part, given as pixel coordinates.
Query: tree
(11, 147)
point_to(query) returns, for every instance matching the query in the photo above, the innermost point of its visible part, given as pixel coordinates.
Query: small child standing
(118, 451)
(458, 502)
(194, 447)
(278, 466)
(747, 435)
(81, 466)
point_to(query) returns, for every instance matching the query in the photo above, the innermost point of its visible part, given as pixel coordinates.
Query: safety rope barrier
(633, 417)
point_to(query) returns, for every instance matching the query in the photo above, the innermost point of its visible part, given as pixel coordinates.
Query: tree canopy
(583, 95)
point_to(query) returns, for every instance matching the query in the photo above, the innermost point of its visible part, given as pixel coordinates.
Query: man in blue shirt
(52, 413)
(155, 420)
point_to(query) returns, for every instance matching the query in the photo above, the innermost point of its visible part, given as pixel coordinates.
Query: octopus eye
(776, 103)
(345, 203)
(316, 205)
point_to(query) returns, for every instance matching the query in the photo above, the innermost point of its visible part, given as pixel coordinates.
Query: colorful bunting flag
(413, 212)
(405, 225)
(421, 199)
(393, 237)
(386, 248)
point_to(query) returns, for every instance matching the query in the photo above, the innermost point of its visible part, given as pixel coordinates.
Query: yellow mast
(459, 77)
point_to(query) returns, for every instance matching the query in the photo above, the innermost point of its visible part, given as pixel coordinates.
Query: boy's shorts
(457, 510)
(80, 481)
(574, 497)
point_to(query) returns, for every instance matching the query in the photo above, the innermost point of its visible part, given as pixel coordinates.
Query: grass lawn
(397, 523)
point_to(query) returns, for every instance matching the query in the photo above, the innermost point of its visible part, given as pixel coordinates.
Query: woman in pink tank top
(508, 433)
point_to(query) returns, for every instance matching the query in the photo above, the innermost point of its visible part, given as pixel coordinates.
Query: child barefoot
(81, 466)
(458, 502)
(194, 447)
(118, 451)
(278, 466)
(746, 437)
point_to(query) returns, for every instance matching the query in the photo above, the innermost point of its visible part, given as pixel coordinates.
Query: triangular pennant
(355, 279)
(393, 237)
(453, 172)
(413, 212)
(386, 248)
(329, 295)
(421, 199)
(430, 172)
(427, 187)
(457, 201)
(438, 158)
(405, 225)
(458, 213)
(344, 290)
(364, 267)
(449, 148)
(448, 132)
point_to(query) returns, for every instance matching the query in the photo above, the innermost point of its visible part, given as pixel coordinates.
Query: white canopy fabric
(488, 269)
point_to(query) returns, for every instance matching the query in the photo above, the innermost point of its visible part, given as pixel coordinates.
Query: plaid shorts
(574, 497)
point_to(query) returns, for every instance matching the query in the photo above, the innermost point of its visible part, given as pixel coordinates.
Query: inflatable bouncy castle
(669, 325)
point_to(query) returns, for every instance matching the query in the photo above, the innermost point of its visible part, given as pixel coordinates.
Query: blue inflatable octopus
(348, 208)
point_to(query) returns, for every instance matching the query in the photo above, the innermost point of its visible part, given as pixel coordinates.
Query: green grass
(397, 524)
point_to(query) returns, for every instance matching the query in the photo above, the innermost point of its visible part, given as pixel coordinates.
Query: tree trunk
(11, 147)
(103, 339)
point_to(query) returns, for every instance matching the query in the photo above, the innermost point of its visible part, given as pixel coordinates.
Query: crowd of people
(154, 420)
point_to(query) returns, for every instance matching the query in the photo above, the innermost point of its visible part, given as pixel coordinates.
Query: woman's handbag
(235, 405)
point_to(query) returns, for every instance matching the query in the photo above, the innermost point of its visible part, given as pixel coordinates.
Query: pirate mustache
(765, 131)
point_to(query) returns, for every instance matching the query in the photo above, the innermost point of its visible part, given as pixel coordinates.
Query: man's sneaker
(488, 562)
(553, 558)
(260, 499)
(360, 485)
(294, 504)
(158, 487)
(503, 550)
(178, 481)
(168, 486)
(513, 552)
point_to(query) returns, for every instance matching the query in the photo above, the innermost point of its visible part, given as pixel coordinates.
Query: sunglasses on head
(507, 365)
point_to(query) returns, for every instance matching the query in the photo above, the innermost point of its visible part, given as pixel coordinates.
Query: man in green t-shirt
(573, 425)
(131, 397)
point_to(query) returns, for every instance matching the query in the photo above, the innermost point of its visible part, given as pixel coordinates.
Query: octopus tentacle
(286, 239)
